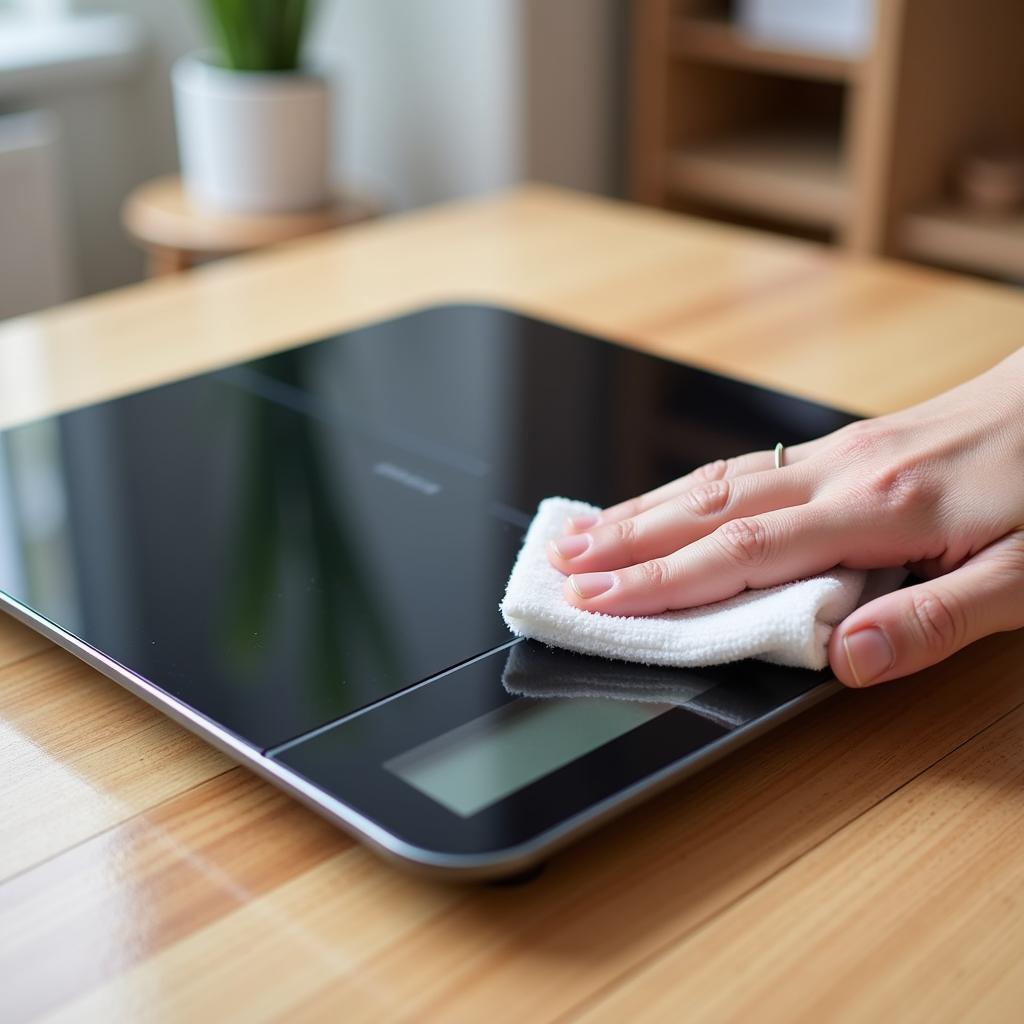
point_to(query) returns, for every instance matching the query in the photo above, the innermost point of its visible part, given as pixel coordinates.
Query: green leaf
(258, 35)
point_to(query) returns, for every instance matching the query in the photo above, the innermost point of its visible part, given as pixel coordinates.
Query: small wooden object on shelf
(955, 236)
(991, 182)
(176, 234)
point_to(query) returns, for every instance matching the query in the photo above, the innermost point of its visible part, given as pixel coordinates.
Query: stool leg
(161, 261)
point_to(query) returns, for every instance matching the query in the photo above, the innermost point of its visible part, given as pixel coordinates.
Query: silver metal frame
(468, 867)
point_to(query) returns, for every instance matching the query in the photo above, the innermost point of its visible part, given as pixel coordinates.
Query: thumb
(918, 626)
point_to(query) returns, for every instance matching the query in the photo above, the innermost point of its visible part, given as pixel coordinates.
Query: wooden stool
(176, 234)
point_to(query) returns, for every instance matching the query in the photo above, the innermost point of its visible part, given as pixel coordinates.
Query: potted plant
(252, 123)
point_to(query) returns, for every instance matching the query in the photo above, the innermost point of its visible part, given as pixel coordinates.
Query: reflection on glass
(729, 695)
(284, 511)
(35, 540)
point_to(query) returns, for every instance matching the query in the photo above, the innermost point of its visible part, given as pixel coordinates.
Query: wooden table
(861, 863)
(176, 234)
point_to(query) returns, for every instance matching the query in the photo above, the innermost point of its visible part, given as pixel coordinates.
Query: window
(35, 8)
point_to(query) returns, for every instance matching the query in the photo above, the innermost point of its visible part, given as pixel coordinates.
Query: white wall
(435, 99)
(427, 99)
(117, 134)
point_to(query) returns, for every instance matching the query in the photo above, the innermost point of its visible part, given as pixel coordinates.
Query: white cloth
(787, 625)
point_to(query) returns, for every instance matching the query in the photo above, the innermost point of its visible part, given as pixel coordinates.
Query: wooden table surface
(862, 862)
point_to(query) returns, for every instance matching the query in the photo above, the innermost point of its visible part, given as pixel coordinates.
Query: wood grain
(858, 863)
(18, 641)
(77, 755)
(929, 929)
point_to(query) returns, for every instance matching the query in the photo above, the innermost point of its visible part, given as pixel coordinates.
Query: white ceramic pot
(252, 142)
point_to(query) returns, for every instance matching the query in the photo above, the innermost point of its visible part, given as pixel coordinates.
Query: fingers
(679, 520)
(722, 469)
(760, 551)
(921, 625)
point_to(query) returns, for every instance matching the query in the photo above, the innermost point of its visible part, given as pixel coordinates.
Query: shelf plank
(717, 41)
(966, 240)
(792, 176)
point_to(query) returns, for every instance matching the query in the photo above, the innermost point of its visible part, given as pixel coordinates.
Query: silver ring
(778, 456)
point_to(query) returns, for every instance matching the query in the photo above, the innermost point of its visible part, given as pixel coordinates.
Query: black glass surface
(285, 541)
(350, 760)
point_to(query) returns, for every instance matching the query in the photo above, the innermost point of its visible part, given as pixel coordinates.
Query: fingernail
(591, 584)
(869, 653)
(572, 546)
(584, 522)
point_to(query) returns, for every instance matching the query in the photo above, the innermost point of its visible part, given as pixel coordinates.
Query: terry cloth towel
(787, 625)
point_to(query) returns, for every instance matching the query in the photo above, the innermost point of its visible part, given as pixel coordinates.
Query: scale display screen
(479, 763)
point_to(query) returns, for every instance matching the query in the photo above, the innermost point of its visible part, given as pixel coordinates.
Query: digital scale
(300, 558)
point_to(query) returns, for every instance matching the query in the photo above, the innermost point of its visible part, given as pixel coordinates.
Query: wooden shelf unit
(864, 148)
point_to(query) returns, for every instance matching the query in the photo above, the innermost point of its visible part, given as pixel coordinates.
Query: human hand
(938, 487)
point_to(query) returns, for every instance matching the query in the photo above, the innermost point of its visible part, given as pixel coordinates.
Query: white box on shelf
(833, 26)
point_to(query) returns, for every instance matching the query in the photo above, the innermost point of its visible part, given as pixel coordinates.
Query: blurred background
(892, 127)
